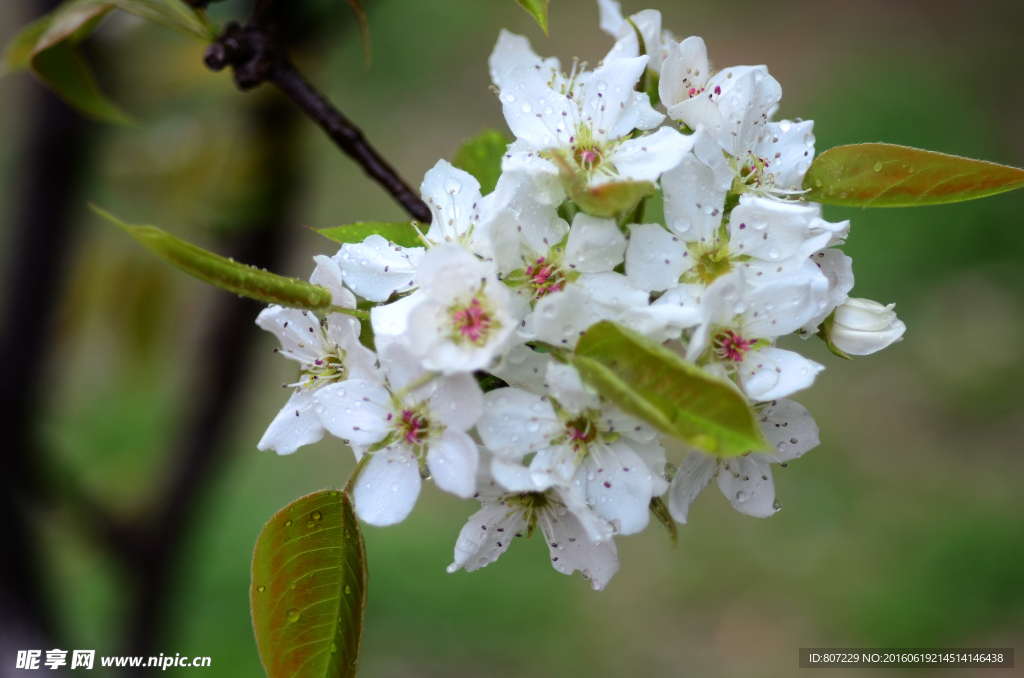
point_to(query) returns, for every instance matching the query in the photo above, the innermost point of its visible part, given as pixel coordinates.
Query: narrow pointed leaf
(309, 587)
(481, 156)
(402, 233)
(538, 9)
(678, 398)
(172, 14)
(19, 50)
(65, 72)
(364, 30)
(884, 175)
(660, 511)
(229, 275)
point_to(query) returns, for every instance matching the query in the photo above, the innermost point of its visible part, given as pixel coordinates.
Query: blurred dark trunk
(226, 354)
(51, 169)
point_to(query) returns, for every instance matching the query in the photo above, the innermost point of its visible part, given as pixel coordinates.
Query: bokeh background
(904, 528)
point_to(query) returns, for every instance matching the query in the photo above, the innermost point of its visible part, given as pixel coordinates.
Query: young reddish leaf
(481, 156)
(678, 398)
(402, 233)
(309, 587)
(538, 9)
(230, 275)
(884, 175)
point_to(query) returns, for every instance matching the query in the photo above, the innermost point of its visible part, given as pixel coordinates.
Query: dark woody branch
(257, 54)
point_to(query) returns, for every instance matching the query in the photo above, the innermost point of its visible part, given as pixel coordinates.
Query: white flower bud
(863, 326)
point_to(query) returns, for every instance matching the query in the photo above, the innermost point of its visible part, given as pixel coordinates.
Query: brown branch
(257, 55)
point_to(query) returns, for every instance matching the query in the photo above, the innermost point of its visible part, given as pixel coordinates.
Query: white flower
(327, 351)
(735, 105)
(571, 287)
(739, 324)
(586, 117)
(577, 538)
(647, 21)
(460, 320)
(608, 459)
(863, 326)
(406, 425)
(375, 269)
(746, 481)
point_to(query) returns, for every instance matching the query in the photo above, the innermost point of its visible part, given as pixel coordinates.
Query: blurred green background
(905, 528)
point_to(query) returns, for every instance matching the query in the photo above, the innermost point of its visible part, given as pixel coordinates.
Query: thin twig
(257, 55)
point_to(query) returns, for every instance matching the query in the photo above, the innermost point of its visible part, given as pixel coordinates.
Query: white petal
(609, 97)
(297, 424)
(393, 319)
(773, 373)
(571, 549)
(513, 476)
(685, 67)
(647, 157)
(518, 418)
(747, 483)
(562, 318)
(595, 245)
(328, 274)
(457, 401)
(778, 307)
(745, 107)
(719, 303)
(524, 368)
(694, 474)
(567, 388)
(375, 269)
(655, 258)
(693, 207)
(521, 224)
(648, 21)
(789, 428)
(343, 332)
(453, 196)
(357, 410)
(453, 460)
(513, 50)
(789, 148)
(536, 113)
(653, 455)
(619, 484)
(486, 536)
(611, 16)
(772, 230)
(291, 327)
(388, 486)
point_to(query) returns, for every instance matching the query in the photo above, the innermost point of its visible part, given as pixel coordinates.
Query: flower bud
(863, 326)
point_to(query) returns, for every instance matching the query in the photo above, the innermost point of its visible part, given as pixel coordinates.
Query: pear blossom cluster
(467, 382)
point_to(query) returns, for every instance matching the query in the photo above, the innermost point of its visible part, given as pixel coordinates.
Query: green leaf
(172, 14)
(538, 9)
(884, 175)
(481, 156)
(825, 334)
(402, 233)
(660, 511)
(610, 199)
(64, 71)
(230, 275)
(309, 587)
(678, 398)
(19, 50)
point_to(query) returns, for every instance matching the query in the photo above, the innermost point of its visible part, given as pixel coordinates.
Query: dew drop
(878, 167)
(316, 515)
(261, 588)
(292, 615)
(741, 496)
